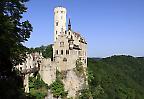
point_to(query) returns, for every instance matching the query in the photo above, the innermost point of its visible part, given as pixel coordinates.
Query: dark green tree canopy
(117, 77)
(13, 32)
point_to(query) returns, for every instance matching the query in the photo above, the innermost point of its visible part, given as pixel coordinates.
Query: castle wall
(48, 71)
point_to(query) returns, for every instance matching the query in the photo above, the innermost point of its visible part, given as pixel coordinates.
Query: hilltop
(117, 77)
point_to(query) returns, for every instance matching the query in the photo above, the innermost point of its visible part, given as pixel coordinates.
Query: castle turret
(59, 21)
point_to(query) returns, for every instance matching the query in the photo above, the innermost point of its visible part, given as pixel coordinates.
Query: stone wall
(47, 71)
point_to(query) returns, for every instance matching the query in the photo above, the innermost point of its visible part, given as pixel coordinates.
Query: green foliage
(90, 76)
(47, 51)
(117, 77)
(85, 94)
(13, 32)
(57, 89)
(79, 70)
(38, 88)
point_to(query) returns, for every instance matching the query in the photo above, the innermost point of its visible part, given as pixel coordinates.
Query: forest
(117, 77)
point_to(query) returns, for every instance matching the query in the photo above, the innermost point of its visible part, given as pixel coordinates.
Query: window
(61, 44)
(61, 52)
(61, 11)
(20, 68)
(64, 59)
(69, 33)
(56, 23)
(56, 51)
(79, 53)
(85, 61)
(56, 32)
(67, 51)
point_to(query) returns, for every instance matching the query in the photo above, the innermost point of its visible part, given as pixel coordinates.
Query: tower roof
(69, 22)
(69, 25)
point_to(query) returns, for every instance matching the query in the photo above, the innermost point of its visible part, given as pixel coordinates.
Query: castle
(69, 47)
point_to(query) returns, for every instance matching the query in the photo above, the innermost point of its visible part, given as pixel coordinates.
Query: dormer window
(65, 60)
(61, 44)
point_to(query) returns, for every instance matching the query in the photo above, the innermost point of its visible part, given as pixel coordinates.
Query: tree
(57, 89)
(13, 33)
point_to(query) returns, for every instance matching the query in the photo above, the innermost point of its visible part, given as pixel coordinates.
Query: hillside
(117, 77)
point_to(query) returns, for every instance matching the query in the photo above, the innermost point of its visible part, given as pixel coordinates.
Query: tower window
(56, 23)
(67, 51)
(57, 52)
(56, 32)
(61, 52)
(61, 11)
(61, 44)
(69, 33)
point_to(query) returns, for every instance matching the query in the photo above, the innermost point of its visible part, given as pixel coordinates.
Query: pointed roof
(69, 22)
(69, 25)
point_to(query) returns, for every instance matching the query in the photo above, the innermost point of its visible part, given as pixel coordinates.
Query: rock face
(73, 83)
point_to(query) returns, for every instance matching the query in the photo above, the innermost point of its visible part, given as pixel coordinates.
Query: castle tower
(59, 21)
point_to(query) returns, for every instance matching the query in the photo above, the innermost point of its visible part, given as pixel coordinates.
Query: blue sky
(111, 27)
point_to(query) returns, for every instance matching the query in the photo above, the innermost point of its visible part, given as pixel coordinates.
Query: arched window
(65, 60)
